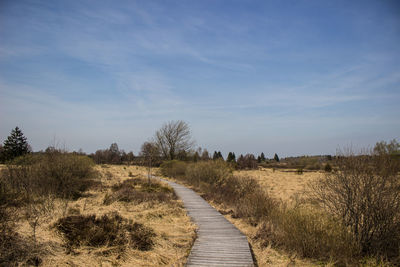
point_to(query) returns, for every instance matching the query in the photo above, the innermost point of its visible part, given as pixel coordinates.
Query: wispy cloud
(262, 71)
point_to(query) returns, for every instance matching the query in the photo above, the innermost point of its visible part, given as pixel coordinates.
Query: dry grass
(173, 228)
(265, 256)
(281, 184)
(280, 235)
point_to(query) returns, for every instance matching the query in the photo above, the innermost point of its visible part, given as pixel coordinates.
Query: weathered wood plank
(218, 243)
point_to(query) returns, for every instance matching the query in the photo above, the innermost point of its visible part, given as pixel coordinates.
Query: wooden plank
(218, 243)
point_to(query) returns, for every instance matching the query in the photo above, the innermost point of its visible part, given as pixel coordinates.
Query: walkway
(218, 243)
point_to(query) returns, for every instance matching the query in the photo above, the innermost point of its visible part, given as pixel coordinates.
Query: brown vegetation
(107, 230)
(138, 191)
(302, 228)
(363, 192)
(45, 220)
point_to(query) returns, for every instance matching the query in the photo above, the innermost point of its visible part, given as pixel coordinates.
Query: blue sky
(287, 77)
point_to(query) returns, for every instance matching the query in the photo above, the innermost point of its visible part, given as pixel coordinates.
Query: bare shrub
(31, 183)
(173, 168)
(302, 230)
(61, 174)
(251, 201)
(363, 192)
(308, 233)
(36, 210)
(150, 152)
(14, 249)
(108, 230)
(210, 172)
(244, 195)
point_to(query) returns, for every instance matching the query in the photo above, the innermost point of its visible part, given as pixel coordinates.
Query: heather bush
(107, 230)
(138, 191)
(328, 167)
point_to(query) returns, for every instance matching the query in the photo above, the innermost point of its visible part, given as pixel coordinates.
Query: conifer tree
(220, 155)
(215, 156)
(241, 162)
(16, 145)
(229, 157)
(263, 156)
(276, 158)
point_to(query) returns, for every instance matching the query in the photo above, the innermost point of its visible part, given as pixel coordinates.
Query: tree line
(173, 141)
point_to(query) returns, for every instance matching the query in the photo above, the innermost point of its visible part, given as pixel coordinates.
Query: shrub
(328, 167)
(363, 192)
(173, 168)
(210, 172)
(15, 250)
(138, 191)
(303, 230)
(250, 200)
(108, 230)
(61, 174)
(244, 195)
(308, 233)
(141, 237)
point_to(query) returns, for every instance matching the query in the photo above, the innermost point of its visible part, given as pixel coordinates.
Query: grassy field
(174, 232)
(282, 184)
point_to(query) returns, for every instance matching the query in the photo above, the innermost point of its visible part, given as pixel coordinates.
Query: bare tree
(150, 152)
(205, 155)
(173, 138)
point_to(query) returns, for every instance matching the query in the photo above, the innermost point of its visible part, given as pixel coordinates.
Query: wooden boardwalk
(218, 243)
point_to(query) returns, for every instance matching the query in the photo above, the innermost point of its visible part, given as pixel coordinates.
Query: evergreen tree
(231, 157)
(15, 145)
(263, 156)
(259, 159)
(215, 156)
(276, 158)
(241, 162)
(220, 155)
